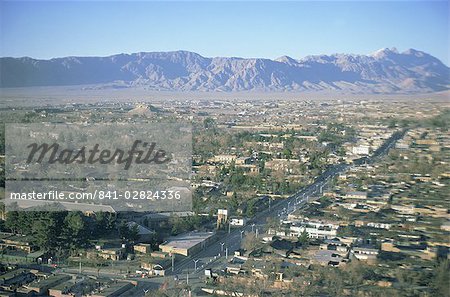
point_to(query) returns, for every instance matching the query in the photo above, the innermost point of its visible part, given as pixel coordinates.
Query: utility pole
(173, 262)
(242, 232)
(256, 232)
(226, 253)
(195, 264)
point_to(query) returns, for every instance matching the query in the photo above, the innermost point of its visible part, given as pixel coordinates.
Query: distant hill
(385, 71)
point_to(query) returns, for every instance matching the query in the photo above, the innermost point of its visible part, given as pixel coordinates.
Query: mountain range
(384, 71)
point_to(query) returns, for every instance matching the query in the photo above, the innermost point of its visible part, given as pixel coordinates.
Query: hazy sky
(245, 29)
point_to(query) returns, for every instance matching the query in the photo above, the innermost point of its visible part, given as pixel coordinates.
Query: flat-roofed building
(15, 278)
(16, 242)
(144, 248)
(238, 221)
(314, 230)
(112, 253)
(187, 243)
(226, 159)
(41, 286)
(365, 253)
(360, 150)
(356, 195)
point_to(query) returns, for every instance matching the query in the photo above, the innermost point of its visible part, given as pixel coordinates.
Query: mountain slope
(385, 71)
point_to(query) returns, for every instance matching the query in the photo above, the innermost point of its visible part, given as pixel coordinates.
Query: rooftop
(187, 240)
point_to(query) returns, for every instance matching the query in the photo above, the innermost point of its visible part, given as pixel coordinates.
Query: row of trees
(67, 231)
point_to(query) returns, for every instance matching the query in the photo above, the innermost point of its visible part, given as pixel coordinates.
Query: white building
(356, 195)
(314, 230)
(238, 222)
(364, 253)
(379, 225)
(360, 150)
(226, 159)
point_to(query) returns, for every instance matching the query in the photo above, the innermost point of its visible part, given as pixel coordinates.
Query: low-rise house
(364, 253)
(112, 253)
(157, 266)
(225, 159)
(314, 229)
(143, 248)
(76, 287)
(335, 245)
(404, 209)
(16, 242)
(20, 256)
(15, 279)
(238, 222)
(356, 195)
(376, 225)
(361, 150)
(235, 269)
(160, 255)
(187, 243)
(41, 286)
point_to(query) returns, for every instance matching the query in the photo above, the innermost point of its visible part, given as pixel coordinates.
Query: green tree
(303, 238)
(44, 231)
(251, 208)
(127, 232)
(12, 221)
(287, 153)
(133, 233)
(209, 123)
(75, 230)
(104, 223)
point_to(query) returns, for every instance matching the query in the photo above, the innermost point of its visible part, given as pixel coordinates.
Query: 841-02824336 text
(98, 195)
